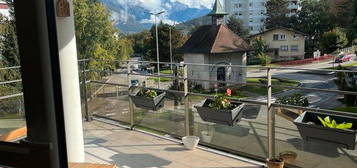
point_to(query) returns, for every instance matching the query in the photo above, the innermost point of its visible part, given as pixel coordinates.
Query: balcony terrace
(110, 144)
(155, 140)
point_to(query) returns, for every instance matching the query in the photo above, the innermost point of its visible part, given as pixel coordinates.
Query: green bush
(295, 100)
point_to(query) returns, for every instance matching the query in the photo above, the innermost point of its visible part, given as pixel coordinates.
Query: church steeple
(217, 14)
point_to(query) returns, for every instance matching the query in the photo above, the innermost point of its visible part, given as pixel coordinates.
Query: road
(308, 79)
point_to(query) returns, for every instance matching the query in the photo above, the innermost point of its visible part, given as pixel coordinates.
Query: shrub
(295, 100)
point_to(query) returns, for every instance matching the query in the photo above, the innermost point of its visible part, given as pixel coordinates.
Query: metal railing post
(130, 90)
(187, 106)
(84, 83)
(271, 118)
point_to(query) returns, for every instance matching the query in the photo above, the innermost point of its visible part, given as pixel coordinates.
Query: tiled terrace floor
(109, 144)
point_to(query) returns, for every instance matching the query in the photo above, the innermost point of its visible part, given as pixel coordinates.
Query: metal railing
(268, 103)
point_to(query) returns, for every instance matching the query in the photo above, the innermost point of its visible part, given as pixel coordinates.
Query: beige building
(285, 44)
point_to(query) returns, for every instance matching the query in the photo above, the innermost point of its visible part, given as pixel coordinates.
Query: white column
(70, 86)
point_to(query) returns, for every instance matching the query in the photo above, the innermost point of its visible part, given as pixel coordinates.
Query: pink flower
(229, 92)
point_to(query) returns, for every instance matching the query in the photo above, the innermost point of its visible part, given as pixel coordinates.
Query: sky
(160, 5)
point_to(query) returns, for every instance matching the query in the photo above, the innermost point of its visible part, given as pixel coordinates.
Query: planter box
(318, 133)
(224, 117)
(149, 103)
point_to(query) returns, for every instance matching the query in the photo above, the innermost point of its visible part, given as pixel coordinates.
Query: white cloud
(196, 3)
(159, 19)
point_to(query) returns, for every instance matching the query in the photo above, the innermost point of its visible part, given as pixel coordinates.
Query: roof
(214, 39)
(284, 28)
(217, 9)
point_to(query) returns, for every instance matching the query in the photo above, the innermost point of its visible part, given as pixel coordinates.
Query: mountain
(134, 15)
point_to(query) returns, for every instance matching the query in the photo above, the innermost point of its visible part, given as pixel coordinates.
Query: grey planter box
(224, 117)
(149, 103)
(318, 133)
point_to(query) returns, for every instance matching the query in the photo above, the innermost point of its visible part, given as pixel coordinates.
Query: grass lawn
(168, 71)
(162, 79)
(248, 90)
(259, 90)
(346, 109)
(11, 116)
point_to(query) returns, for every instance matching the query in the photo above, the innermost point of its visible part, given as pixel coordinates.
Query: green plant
(264, 59)
(222, 102)
(147, 93)
(326, 122)
(295, 100)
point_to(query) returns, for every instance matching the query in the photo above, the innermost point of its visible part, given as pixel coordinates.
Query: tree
(261, 47)
(140, 42)
(177, 39)
(236, 25)
(333, 40)
(277, 13)
(264, 59)
(9, 47)
(96, 33)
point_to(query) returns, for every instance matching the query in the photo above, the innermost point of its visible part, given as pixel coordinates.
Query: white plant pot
(206, 136)
(190, 142)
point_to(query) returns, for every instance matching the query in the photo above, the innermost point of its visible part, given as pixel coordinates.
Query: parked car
(343, 58)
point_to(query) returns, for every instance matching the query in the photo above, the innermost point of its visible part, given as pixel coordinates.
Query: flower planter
(288, 156)
(149, 103)
(190, 142)
(311, 129)
(224, 117)
(206, 136)
(275, 163)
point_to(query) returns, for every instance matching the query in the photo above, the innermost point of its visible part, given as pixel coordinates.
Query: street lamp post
(157, 46)
(171, 56)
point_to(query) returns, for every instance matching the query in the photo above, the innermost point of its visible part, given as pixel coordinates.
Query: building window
(262, 12)
(262, 20)
(240, 5)
(263, 3)
(295, 37)
(251, 20)
(282, 37)
(251, 28)
(240, 14)
(250, 4)
(236, 5)
(276, 37)
(284, 48)
(294, 48)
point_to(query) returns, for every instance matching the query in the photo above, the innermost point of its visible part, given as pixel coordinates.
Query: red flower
(229, 92)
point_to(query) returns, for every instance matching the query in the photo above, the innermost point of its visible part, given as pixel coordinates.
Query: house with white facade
(216, 44)
(253, 12)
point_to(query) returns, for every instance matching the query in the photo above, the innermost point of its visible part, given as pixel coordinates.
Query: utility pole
(157, 45)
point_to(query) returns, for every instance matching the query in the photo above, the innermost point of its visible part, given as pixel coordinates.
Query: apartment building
(253, 12)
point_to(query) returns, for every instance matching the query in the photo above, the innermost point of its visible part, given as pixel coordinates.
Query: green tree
(277, 11)
(140, 42)
(177, 38)
(96, 32)
(236, 25)
(333, 40)
(264, 59)
(261, 47)
(9, 47)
